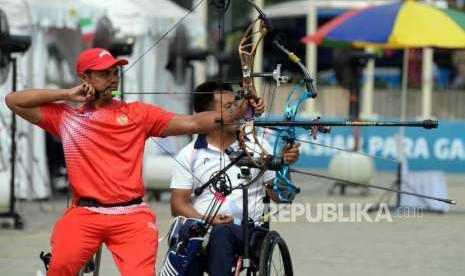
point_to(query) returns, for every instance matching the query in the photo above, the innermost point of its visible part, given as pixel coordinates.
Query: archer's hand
(222, 219)
(291, 153)
(241, 110)
(81, 93)
(258, 105)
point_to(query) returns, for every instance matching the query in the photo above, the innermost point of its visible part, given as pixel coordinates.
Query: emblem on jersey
(104, 53)
(122, 119)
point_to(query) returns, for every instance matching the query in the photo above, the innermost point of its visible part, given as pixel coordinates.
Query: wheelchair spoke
(277, 262)
(275, 258)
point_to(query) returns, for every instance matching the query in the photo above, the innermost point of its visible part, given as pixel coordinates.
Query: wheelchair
(274, 256)
(269, 255)
(265, 251)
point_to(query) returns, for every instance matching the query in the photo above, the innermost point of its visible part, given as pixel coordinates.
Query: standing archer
(103, 141)
(199, 160)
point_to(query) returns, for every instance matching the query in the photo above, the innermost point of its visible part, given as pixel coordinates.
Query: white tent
(146, 21)
(139, 17)
(35, 18)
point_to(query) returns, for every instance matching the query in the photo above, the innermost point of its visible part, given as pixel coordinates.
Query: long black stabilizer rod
(445, 200)
(428, 124)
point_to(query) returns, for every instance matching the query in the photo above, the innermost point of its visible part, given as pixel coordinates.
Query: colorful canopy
(399, 25)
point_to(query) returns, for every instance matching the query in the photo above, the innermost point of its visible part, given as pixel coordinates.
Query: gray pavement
(428, 244)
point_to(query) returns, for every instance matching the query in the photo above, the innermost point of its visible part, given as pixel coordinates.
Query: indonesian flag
(88, 28)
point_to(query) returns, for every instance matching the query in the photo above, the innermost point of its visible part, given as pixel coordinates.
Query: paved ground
(430, 244)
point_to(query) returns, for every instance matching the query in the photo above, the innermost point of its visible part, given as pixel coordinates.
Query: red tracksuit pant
(131, 238)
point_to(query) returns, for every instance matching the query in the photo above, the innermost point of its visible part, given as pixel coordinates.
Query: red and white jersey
(104, 146)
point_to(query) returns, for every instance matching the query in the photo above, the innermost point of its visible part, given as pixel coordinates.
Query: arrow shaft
(445, 200)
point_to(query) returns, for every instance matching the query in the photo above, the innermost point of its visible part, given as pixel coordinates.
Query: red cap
(97, 59)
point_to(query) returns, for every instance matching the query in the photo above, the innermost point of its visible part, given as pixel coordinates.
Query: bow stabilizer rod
(427, 124)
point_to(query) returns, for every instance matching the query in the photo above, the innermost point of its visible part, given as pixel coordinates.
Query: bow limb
(247, 51)
(282, 184)
(307, 79)
(248, 46)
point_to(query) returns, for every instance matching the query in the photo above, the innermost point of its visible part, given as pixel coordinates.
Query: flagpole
(403, 108)
(368, 84)
(311, 58)
(427, 79)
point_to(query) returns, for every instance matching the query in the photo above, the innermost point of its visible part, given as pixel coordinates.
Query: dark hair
(205, 94)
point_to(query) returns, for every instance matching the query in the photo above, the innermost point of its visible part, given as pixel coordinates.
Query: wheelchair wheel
(274, 256)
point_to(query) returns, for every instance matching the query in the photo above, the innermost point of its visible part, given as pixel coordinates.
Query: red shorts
(131, 238)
